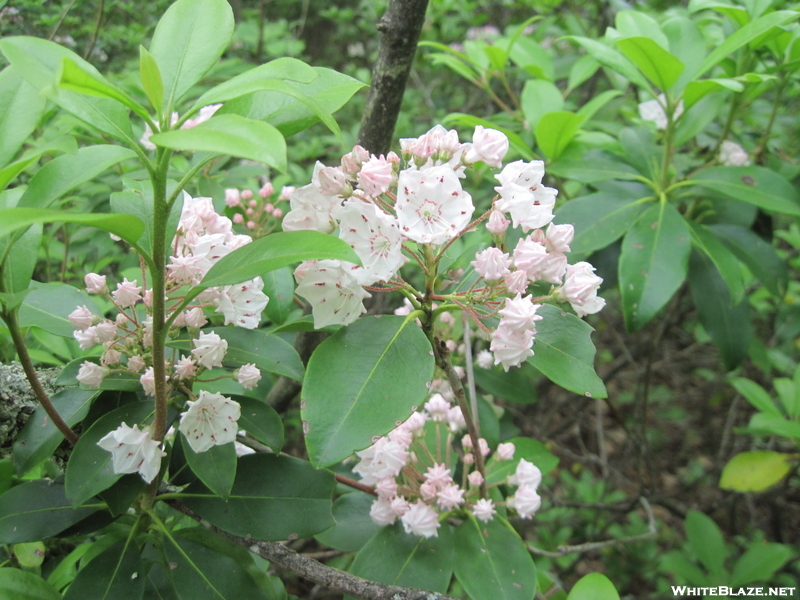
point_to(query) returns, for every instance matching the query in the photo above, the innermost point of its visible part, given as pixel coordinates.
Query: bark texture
(17, 401)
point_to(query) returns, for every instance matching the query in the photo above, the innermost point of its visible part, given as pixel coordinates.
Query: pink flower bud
(81, 318)
(488, 145)
(266, 190)
(277, 213)
(252, 203)
(475, 478)
(96, 284)
(232, 197)
(497, 223)
(251, 225)
(246, 194)
(238, 218)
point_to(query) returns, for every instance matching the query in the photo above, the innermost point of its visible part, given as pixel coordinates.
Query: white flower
(530, 208)
(333, 291)
(421, 520)
(385, 458)
(376, 239)
(484, 360)
(511, 346)
(210, 421)
(438, 475)
(580, 289)
(209, 350)
(95, 284)
(431, 206)
(91, 375)
(488, 145)
(455, 419)
(135, 363)
(450, 496)
(248, 376)
(242, 303)
(332, 181)
(505, 451)
(653, 111)
(526, 474)
(195, 318)
(437, 407)
(375, 176)
(491, 264)
(185, 368)
(81, 317)
(86, 338)
(148, 381)
(520, 313)
(733, 155)
(526, 501)
(127, 293)
(310, 209)
(475, 478)
(497, 223)
(133, 451)
(559, 237)
(483, 510)
(382, 513)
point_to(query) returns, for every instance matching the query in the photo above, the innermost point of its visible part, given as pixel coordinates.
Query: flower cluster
(415, 483)
(384, 206)
(203, 237)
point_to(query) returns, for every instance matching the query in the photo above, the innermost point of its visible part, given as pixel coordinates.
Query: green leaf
(564, 352)
(117, 573)
(594, 586)
(77, 79)
(581, 71)
(755, 471)
(697, 119)
(631, 23)
(20, 262)
(539, 97)
(687, 43)
(261, 421)
(65, 143)
(29, 555)
(611, 58)
(598, 170)
(641, 150)
(357, 385)
(39, 61)
(760, 562)
(354, 527)
(744, 36)
(728, 324)
(398, 558)
(275, 251)
(230, 134)
(599, 220)
(653, 263)
(696, 90)
(556, 130)
(729, 268)
(90, 468)
(137, 199)
(273, 498)
(705, 538)
(24, 585)
(658, 65)
(48, 306)
(200, 572)
(39, 438)
(492, 561)
(515, 141)
(588, 110)
(756, 395)
(37, 510)
(151, 79)
(279, 286)
(534, 451)
(515, 386)
(755, 185)
(758, 254)
(216, 467)
(188, 41)
(772, 425)
(21, 107)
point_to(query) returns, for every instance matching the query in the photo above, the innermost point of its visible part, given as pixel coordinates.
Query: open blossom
(421, 519)
(335, 295)
(523, 196)
(376, 239)
(431, 206)
(91, 375)
(488, 145)
(242, 303)
(248, 376)
(133, 451)
(210, 421)
(653, 111)
(127, 293)
(209, 350)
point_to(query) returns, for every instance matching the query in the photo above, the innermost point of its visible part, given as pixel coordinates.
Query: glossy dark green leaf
(77, 79)
(279, 286)
(657, 64)
(760, 562)
(188, 41)
(90, 468)
(556, 130)
(261, 421)
(594, 586)
(758, 254)
(514, 386)
(398, 558)
(275, 251)
(727, 323)
(216, 467)
(117, 573)
(707, 542)
(40, 438)
(199, 572)
(39, 61)
(697, 119)
(21, 107)
(354, 527)
(230, 134)
(120, 496)
(17, 584)
(273, 497)
(37, 510)
(360, 382)
(533, 451)
(564, 352)
(599, 220)
(492, 561)
(653, 264)
(755, 471)
(48, 306)
(755, 185)
(729, 268)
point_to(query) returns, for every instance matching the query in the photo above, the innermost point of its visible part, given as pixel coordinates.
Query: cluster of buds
(414, 483)
(259, 213)
(202, 238)
(389, 209)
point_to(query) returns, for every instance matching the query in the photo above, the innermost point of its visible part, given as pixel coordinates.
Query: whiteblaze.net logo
(725, 591)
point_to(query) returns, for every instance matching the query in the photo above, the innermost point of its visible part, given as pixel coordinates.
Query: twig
(473, 396)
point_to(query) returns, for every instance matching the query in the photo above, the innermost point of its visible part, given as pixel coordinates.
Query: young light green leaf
(755, 471)
(613, 59)
(594, 586)
(230, 134)
(151, 79)
(556, 130)
(188, 41)
(756, 395)
(755, 185)
(767, 424)
(696, 90)
(564, 352)
(706, 540)
(357, 385)
(539, 97)
(653, 263)
(588, 110)
(657, 64)
(21, 107)
(73, 77)
(760, 562)
(275, 251)
(632, 23)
